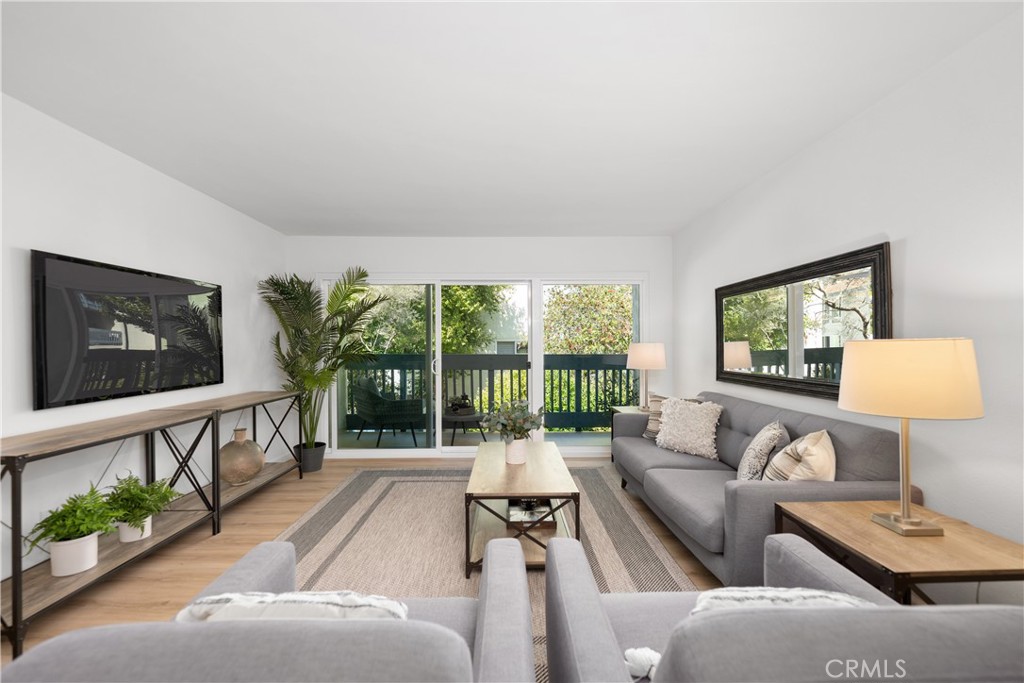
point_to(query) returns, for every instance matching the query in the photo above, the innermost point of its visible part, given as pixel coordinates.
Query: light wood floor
(157, 586)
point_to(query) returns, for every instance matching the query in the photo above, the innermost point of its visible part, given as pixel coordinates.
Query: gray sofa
(588, 632)
(489, 638)
(724, 521)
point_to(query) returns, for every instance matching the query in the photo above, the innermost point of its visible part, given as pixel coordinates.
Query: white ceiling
(470, 118)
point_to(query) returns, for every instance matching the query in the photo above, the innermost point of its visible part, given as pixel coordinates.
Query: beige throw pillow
(809, 458)
(689, 427)
(761, 446)
(654, 402)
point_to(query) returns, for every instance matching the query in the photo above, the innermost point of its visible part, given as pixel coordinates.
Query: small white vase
(515, 452)
(74, 556)
(130, 534)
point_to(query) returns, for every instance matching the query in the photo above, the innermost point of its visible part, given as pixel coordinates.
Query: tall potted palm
(317, 340)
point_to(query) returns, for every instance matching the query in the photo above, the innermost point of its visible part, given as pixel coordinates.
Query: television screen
(103, 331)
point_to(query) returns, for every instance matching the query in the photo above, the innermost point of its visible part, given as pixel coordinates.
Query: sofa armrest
(792, 562)
(750, 515)
(909, 644)
(268, 568)
(629, 424)
(581, 643)
(503, 646)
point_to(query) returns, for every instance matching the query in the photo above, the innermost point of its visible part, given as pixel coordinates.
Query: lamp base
(906, 527)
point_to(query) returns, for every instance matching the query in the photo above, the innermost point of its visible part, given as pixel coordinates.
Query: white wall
(67, 193)
(936, 169)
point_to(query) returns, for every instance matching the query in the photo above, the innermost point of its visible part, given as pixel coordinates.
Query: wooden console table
(30, 592)
(897, 564)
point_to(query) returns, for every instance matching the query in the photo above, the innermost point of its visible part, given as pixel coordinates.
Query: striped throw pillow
(653, 417)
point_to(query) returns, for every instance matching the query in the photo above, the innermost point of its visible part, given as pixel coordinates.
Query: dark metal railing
(579, 389)
(825, 364)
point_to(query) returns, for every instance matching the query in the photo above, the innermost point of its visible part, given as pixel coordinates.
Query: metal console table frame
(17, 451)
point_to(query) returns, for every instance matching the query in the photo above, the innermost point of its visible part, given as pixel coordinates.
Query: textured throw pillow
(764, 596)
(689, 427)
(761, 446)
(809, 458)
(654, 402)
(297, 605)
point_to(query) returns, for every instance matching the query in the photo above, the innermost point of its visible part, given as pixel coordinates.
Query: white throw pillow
(689, 427)
(765, 596)
(809, 458)
(761, 446)
(296, 605)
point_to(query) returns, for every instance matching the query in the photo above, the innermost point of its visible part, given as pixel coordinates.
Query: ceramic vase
(515, 451)
(240, 459)
(129, 534)
(74, 556)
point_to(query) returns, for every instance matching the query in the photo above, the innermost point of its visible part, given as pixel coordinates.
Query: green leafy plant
(513, 420)
(131, 501)
(81, 515)
(317, 339)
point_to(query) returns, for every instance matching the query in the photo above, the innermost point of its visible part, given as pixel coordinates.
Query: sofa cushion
(809, 458)
(457, 614)
(694, 500)
(689, 427)
(646, 619)
(637, 455)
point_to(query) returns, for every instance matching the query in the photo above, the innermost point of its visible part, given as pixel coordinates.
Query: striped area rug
(400, 533)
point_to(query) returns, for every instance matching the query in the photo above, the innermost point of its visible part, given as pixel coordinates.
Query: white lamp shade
(646, 356)
(736, 354)
(931, 379)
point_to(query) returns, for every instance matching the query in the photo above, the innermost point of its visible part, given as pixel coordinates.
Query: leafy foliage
(588, 318)
(758, 317)
(81, 515)
(398, 325)
(131, 501)
(513, 419)
(199, 339)
(319, 339)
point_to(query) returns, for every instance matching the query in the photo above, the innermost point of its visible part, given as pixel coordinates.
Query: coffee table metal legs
(524, 532)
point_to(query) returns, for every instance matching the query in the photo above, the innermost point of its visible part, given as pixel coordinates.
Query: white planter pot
(515, 451)
(129, 534)
(74, 556)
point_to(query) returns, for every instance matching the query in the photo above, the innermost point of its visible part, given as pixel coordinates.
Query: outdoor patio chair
(377, 410)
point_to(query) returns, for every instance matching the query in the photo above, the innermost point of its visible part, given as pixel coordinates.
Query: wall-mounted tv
(102, 331)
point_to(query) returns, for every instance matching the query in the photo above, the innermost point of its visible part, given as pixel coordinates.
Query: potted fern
(316, 341)
(73, 532)
(133, 505)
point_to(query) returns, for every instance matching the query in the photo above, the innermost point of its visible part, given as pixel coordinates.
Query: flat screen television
(102, 332)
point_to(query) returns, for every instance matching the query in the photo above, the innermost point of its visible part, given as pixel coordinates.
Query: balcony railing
(579, 389)
(825, 364)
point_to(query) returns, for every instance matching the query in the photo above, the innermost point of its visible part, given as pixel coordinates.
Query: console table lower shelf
(42, 591)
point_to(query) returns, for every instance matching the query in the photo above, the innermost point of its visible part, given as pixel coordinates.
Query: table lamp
(644, 356)
(736, 356)
(930, 379)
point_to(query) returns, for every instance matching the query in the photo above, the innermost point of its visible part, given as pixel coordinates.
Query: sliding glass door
(390, 403)
(484, 334)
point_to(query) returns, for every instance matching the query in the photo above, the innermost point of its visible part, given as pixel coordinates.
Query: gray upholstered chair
(488, 638)
(377, 410)
(588, 632)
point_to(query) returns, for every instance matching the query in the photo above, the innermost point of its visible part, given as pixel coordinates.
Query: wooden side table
(897, 564)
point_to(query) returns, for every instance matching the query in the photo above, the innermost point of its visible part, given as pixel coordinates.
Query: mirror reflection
(789, 328)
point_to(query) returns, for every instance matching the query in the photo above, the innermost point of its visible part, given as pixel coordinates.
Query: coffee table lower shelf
(484, 524)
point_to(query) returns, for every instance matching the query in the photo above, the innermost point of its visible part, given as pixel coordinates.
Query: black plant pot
(312, 458)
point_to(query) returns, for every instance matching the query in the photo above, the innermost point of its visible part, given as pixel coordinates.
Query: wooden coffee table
(492, 484)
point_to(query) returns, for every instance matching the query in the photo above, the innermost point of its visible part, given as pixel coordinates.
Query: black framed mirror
(786, 330)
